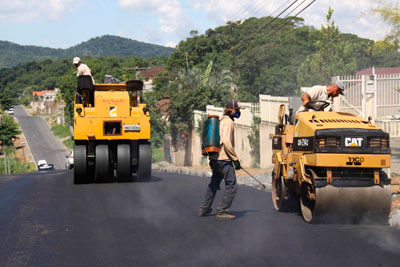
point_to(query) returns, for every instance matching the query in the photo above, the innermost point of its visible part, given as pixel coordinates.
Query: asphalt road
(42, 142)
(46, 220)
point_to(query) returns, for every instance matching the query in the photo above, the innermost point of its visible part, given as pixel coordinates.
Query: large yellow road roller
(333, 163)
(111, 133)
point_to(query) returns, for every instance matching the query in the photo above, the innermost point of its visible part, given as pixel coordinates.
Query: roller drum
(353, 202)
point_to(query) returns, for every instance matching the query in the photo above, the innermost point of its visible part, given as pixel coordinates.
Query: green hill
(12, 54)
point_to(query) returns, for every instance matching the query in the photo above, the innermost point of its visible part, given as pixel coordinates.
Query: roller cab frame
(332, 162)
(111, 133)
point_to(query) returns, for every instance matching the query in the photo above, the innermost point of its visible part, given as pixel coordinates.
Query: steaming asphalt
(46, 220)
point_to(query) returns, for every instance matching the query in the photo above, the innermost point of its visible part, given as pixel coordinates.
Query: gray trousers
(221, 170)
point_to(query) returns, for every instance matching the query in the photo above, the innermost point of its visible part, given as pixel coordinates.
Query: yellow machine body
(111, 107)
(111, 131)
(333, 161)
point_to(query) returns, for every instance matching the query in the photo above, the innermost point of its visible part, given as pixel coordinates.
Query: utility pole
(4, 153)
(137, 70)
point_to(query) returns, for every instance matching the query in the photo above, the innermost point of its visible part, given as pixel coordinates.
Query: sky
(65, 23)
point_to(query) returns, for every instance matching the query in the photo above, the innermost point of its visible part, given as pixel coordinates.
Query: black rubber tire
(80, 170)
(103, 171)
(144, 164)
(307, 205)
(279, 193)
(124, 169)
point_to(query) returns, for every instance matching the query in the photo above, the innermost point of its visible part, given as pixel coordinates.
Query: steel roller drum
(339, 204)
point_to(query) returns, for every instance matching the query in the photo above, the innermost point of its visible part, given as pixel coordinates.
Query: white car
(43, 166)
(10, 111)
(70, 161)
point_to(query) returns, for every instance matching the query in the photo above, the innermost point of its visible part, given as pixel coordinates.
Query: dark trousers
(221, 170)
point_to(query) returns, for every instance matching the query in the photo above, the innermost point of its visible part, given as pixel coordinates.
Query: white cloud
(30, 10)
(347, 13)
(170, 44)
(171, 17)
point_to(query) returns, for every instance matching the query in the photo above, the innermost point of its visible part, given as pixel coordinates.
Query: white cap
(76, 60)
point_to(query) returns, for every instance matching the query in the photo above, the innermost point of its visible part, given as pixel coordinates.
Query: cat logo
(353, 141)
(113, 111)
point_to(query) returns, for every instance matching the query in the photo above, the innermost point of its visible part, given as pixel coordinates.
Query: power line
(267, 24)
(238, 13)
(288, 20)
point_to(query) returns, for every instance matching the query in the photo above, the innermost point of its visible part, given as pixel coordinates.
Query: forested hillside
(13, 54)
(240, 59)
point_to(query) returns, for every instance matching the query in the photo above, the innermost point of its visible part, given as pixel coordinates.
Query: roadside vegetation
(10, 163)
(241, 60)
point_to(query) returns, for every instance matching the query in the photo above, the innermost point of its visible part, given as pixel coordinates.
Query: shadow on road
(242, 213)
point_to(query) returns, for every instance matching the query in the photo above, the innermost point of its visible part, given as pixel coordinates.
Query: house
(378, 71)
(44, 101)
(149, 76)
(46, 95)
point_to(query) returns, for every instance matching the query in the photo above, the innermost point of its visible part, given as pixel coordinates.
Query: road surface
(46, 220)
(42, 142)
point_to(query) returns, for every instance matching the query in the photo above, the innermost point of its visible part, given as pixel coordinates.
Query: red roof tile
(150, 73)
(379, 71)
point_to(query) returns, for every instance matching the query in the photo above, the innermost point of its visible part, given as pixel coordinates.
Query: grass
(157, 154)
(69, 143)
(16, 166)
(60, 131)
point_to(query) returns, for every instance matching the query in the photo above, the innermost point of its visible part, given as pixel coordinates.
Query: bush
(157, 154)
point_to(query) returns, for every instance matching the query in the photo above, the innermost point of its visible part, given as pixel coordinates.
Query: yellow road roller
(111, 132)
(332, 162)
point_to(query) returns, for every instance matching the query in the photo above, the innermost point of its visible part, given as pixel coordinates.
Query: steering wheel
(317, 105)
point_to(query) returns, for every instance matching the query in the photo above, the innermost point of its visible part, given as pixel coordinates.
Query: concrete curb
(242, 180)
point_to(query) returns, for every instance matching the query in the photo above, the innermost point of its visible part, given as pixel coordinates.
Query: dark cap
(232, 104)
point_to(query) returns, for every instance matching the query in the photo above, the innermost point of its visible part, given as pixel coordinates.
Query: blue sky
(64, 23)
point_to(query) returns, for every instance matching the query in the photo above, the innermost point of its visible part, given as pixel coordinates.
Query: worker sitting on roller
(321, 94)
(223, 165)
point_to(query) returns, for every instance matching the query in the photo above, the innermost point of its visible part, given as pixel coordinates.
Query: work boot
(204, 212)
(224, 216)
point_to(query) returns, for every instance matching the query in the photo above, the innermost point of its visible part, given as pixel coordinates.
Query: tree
(6, 101)
(333, 57)
(390, 13)
(8, 128)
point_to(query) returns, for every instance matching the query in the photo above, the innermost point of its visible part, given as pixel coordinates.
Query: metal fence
(376, 95)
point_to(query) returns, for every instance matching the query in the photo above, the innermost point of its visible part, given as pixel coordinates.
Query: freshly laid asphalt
(46, 220)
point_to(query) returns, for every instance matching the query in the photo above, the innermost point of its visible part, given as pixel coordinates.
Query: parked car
(10, 111)
(70, 161)
(44, 166)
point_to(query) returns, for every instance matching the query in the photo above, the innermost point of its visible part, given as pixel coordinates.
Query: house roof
(41, 93)
(163, 105)
(150, 73)
(379, 71)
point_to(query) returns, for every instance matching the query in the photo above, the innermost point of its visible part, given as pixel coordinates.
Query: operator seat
(85, 89)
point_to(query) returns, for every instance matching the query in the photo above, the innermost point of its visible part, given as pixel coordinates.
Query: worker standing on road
(222, 165)
(81, 69)
(321, 93)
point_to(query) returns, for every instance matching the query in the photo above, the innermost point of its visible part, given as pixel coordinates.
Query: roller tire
(279, 193)
(80, 168)
(144, 164)
(103, 170)
(307, 205)
(124, 167)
